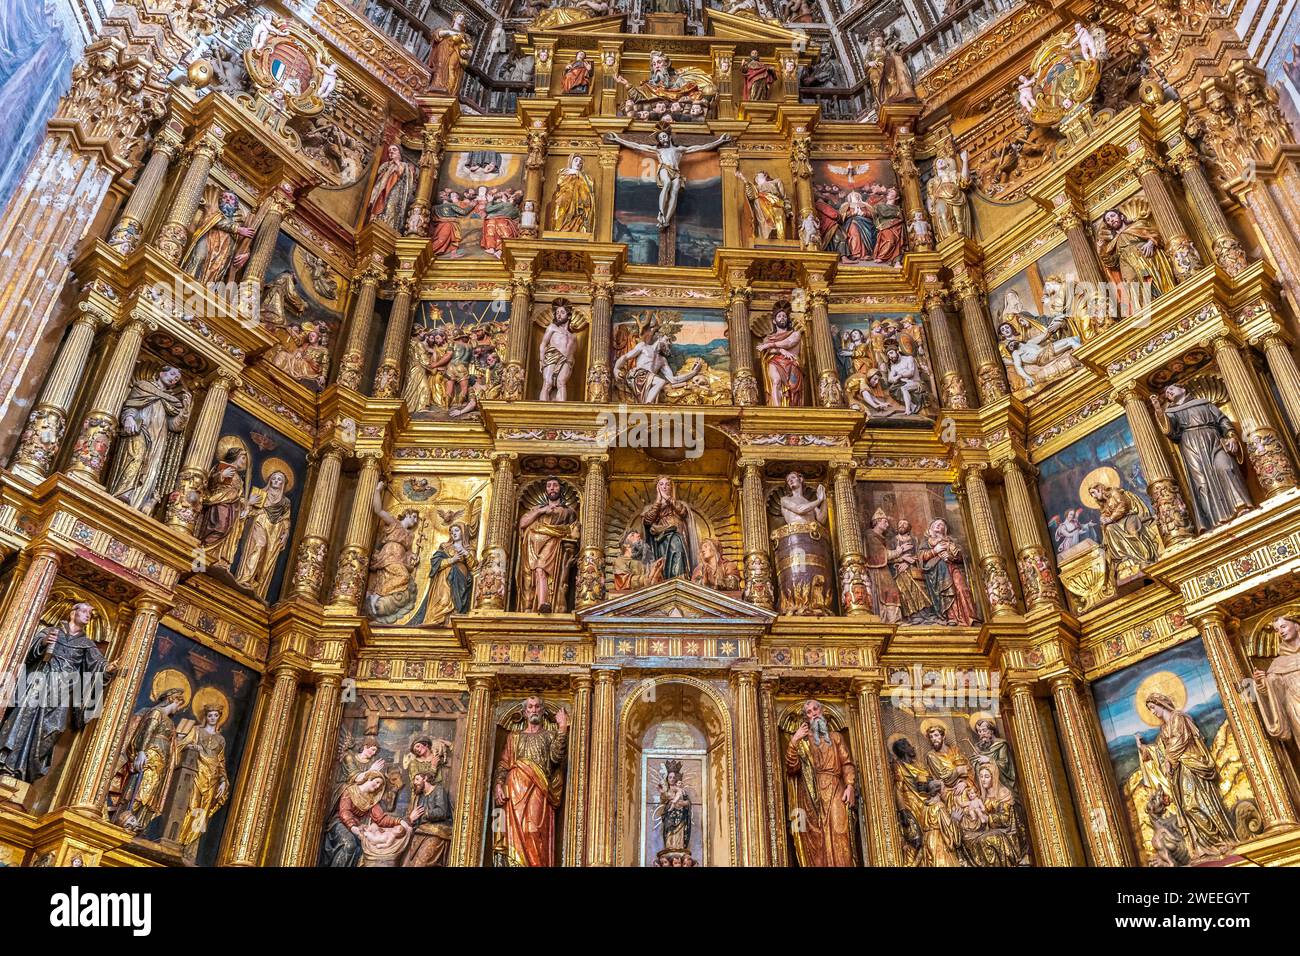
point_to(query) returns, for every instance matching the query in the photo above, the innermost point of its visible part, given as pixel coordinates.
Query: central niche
(675, 776)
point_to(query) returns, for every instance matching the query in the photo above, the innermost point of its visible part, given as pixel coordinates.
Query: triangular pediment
(738, 26)
(677, 599)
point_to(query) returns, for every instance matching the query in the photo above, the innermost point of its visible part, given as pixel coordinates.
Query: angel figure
(1027, 93)
(452, 566)
(390, 590)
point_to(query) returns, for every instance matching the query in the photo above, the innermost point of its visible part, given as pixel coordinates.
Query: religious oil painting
(1039, 318)
(670, 356)
(180, 760)
(1099, 517)
(695, 229)
(956, 786)
(478, 204)
(859, 211)
(455, 358)
(919, 566)
(426, 551)
(392, 789)
(1176, 760)
(302, 305)
(251, 505)
(660, 529)
(884, 366)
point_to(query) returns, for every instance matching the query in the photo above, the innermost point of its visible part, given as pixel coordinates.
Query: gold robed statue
(529, 785)
(573, 208)
(142, 783)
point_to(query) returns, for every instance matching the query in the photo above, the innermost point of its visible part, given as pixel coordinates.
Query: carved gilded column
(602, 836)
(909, 178)
(1048, 817)
(608, 159)
(1162, 488)
(575, 820)
(184, 504)
(875, 777)
(1215, 230)
(26, 602)
(1092, 276)
(278, 206)
(491, 586)
(830, 394)
(311, 770)
(1258, 756)
(947, 354)
(997, 582)
(354, 557)
(591, 556)
(420, 211)
(353, 359)
(749, 771)
(1265, 448)
(43, 436)
(801, 170)
(129, 231)
(855, 587)
(774, 762)
(753, 529)
(516, 371)
(388, 377)
(1037, 575)
(475, 774)
(740, 342)
(98, 760)
(1282, 366)
(251, 814)
(99, 428)
(1105, 831)
(986, 362)
(602, 311)
(534, 168)
(309, 564)
(1184, 255)
(174, 235)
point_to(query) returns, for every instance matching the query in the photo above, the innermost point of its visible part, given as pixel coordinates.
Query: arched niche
(676, 718)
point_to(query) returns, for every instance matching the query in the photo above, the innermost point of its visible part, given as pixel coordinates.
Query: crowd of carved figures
(368, 454)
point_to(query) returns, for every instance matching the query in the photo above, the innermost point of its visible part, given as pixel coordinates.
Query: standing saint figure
(797, 507)
(886, 599)
(1181, 761)
(944, 565)
(142, 783)
(529, 784)
(946, 196)
(451, 576)
(62, 659)
(448, 56)
(153, 421)
(270, 512)
(573, 208)
(204, 752)
(548, 534)
(779, 351)
(669, 534)
(224, 506)
(759, 77)
(1133, 252)
(891, 78)
(556, 353)
(1210, 452)
(577, 75)
(668, 172)
(390, 589)
(822, 786)
(394, 185)
(221, 244)
(768, 204)
(1278, 687)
